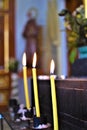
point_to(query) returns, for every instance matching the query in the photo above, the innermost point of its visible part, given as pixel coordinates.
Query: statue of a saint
(30, 33)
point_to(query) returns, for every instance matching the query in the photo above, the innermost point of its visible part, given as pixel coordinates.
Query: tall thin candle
(53, 94)
(25, 82)
(36, 98)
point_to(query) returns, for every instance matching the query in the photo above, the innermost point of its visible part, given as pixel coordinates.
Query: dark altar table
(71, 100)
(79, 67)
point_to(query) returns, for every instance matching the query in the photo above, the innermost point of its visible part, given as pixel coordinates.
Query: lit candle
(85, 4)
(53, 94)
(36, 98)
(25, 81)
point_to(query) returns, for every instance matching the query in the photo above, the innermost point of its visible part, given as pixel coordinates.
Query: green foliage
(13, 65)
(76, 27)
(73, 55)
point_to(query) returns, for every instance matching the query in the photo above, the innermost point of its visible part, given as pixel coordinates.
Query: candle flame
(34, 60)
(52, 66)
(24, 59)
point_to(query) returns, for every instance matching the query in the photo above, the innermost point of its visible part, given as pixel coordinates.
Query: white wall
(21, 10)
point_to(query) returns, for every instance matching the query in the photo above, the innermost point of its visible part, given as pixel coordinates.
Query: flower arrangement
(76, 26)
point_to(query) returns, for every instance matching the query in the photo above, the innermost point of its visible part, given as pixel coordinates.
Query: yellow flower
(78, 16)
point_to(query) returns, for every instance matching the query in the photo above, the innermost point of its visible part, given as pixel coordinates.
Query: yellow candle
(36, 98)
(25, 82)
(85, 4)
(53, 94)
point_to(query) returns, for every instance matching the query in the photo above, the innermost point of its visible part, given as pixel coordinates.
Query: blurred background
(50, 40)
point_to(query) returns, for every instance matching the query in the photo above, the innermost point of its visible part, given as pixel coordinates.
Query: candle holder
(40, 123)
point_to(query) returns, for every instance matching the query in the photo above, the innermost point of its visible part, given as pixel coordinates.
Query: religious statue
(30, 33)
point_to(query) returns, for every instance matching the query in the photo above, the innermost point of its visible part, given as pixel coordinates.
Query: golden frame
(5, 88)
(4, 97)
(4, 4)
(6, 41)
(1, 4)
(5, 14)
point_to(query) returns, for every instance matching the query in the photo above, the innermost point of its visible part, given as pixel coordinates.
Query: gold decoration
(6, 4)
(6, 41)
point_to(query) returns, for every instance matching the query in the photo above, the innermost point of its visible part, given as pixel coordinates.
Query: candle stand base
(40, 123)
